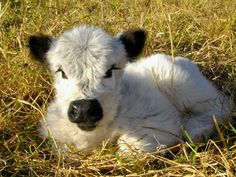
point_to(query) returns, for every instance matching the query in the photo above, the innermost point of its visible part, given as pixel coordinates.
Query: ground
(204, 31)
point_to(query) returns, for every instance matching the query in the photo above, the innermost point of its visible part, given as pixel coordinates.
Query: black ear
(39, 46)
(133, 41)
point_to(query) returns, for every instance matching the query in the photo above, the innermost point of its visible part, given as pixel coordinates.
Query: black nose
(85, 111)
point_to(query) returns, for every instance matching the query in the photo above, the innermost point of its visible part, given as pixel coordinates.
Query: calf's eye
(63, 74)
(108, 74)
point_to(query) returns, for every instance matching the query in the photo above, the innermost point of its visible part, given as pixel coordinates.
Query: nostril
(74, 112)
(95, 110)
(75, 109)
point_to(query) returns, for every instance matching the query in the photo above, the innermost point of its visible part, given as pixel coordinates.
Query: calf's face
(87, 66)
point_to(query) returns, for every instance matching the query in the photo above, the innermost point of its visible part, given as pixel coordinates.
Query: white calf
(101, 92)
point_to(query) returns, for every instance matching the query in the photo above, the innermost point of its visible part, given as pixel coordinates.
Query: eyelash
(63, 74)
(108, 74)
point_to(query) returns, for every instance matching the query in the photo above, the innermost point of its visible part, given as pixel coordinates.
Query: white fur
(143, 104)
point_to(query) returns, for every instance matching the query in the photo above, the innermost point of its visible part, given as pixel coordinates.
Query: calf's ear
(133, 41)
(39, 46)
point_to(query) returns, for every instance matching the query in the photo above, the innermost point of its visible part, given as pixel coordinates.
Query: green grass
(202, 30)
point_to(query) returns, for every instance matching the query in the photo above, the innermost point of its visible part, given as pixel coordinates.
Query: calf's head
(87, 65)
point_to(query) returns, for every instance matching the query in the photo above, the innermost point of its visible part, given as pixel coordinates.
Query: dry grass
(202, 30)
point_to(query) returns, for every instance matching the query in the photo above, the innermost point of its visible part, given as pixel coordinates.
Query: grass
(202, 30)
